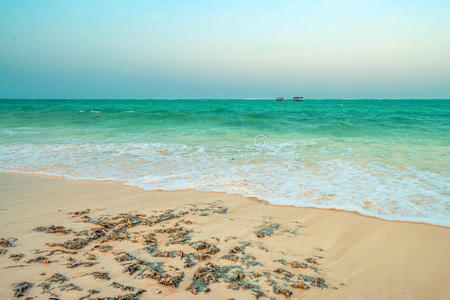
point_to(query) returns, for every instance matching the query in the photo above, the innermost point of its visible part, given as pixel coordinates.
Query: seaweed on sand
(239, 254)
(124, 256)
(148, 269)
(206, 275)
(73, 263)
(57, 278)
(282, 291)
(267, 230)
(211, 273)
(189, 260)
(70, 287)
(314, 281)
(74, 244)
(40, 259)
(7, 243)
(16, 257)
(101, 275)
(53, 229)
(21, 288)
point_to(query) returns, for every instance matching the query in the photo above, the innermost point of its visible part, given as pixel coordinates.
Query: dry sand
(355, 257)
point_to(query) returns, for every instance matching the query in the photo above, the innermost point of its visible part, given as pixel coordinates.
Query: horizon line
(243, 98)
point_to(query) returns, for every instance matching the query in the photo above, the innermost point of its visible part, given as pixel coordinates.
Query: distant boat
(280, 99)
(298, 99)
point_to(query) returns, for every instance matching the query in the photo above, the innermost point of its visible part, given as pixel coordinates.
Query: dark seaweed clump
(21, 288)
(244, 271)
(267, 230)
(53, 229)
(16, 257)
(7, 243)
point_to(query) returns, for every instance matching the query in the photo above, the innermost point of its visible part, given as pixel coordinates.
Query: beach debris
(154, 270)
(296, 265)
(239, 254)
(221, 210)
(231, 257)
(73, 263)
(123, 287)
(46, 288)
(70, 287)
(237, 249)
(267, 229)
(21, 288)
(280, 291)
(57, 278)
(148, 269)
(204, 250)
(3, 251)
(314, 281)
(205, 246)
(167, 238)
(39, 259)
(8, 243)
(80, 213)
(300, 285)
(101, 275)
(124, 256)
(90, 256)
(287, 275)
(313, 263)
(16, 257)
(60, 251)
(312, 260)
(129, 296)
(57, 281)
(241, 281)
(249, 260)
(168, 254)
(211, 273)
(206, 275)
(103, 248)
(189, 260)
(75, 244)
(97, 233)
(90, 293)
(53, 229)
(180, 237)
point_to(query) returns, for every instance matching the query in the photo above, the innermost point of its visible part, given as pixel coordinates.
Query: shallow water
(386, 158)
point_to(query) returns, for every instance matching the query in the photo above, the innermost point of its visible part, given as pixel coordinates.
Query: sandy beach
(224, 150)
(104, 239)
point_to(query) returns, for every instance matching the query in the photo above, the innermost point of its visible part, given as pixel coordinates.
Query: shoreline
(338, 210)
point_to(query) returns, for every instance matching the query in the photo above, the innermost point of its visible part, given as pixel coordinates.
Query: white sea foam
(273, 172)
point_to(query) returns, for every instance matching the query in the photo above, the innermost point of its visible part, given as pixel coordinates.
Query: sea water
(384, 158)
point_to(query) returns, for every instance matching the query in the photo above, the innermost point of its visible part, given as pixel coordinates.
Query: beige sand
(363, 258)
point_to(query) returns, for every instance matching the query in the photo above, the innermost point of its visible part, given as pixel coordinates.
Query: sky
(224, 49)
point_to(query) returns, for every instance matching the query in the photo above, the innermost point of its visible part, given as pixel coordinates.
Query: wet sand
(75, 239)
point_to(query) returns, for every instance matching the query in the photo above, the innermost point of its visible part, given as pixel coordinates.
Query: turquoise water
(386, 158)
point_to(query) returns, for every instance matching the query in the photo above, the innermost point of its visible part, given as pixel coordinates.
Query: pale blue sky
(224, 49)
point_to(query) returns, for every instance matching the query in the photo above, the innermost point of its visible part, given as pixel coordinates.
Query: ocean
(383, 158)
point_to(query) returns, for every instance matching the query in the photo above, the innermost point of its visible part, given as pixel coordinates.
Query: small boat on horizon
(280, 99)
(298, 99)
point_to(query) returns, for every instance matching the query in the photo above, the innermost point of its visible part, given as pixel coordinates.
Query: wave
(374, 189)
